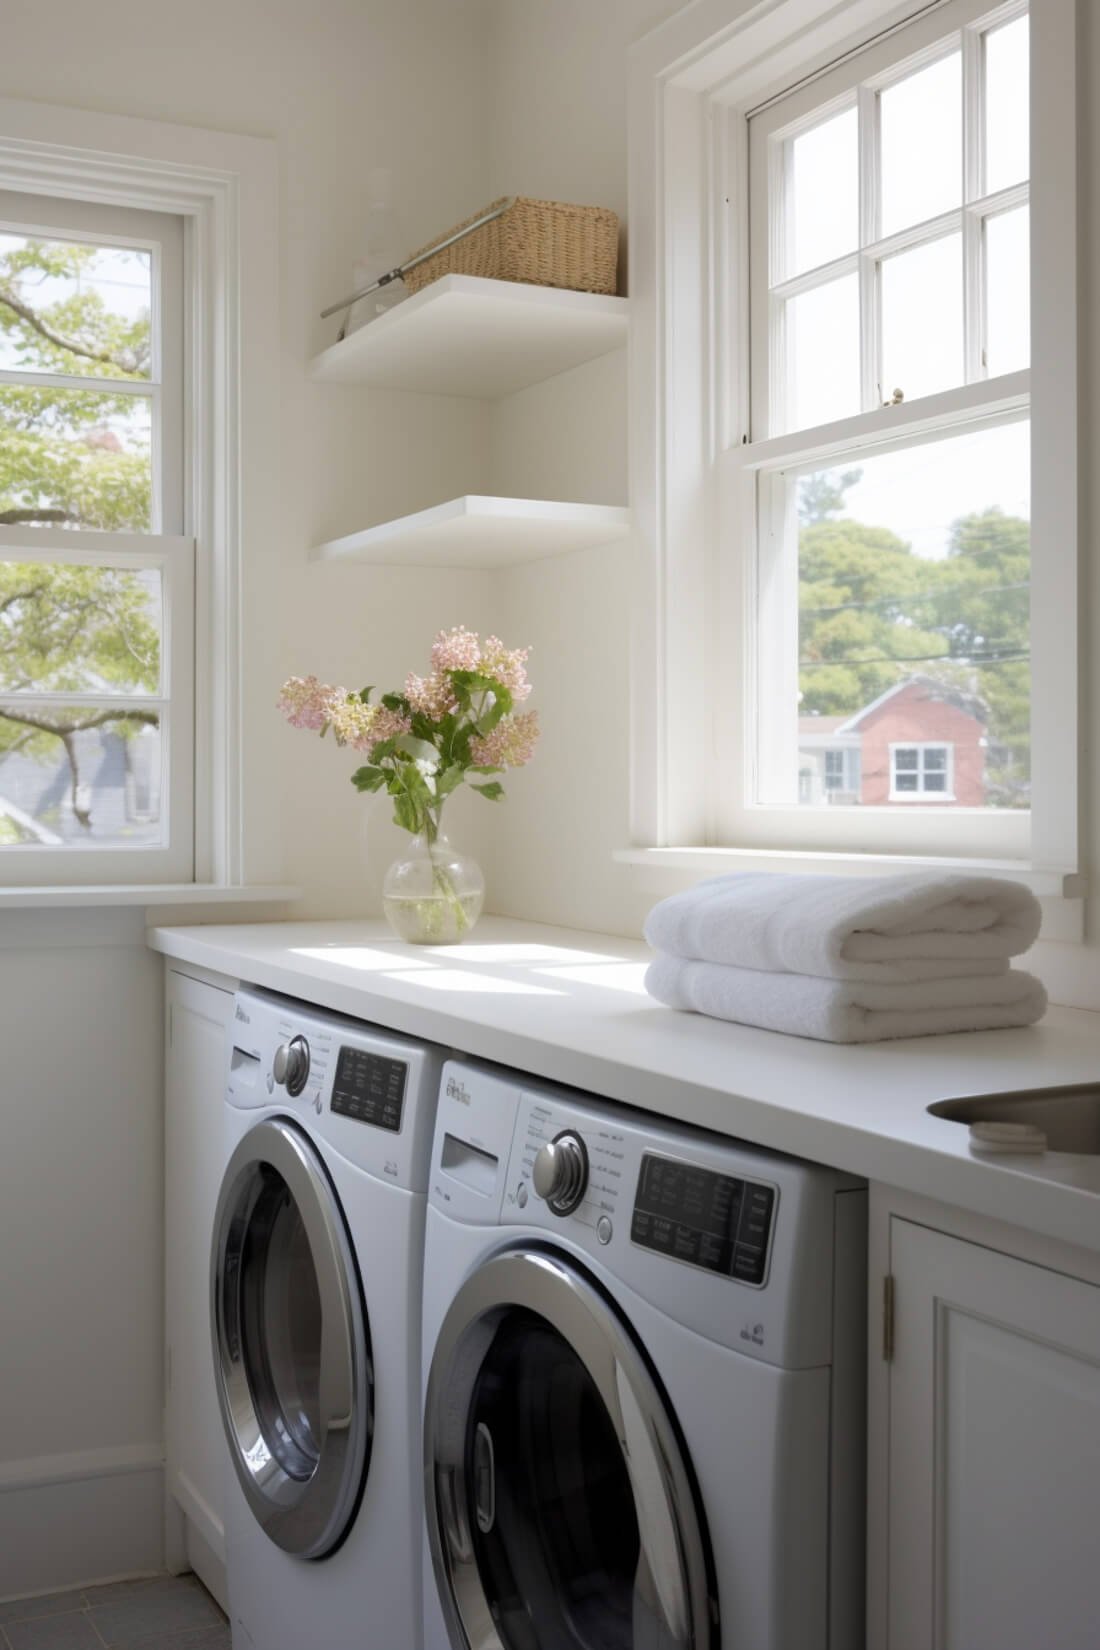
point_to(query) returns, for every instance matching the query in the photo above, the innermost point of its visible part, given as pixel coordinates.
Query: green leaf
(449, 780)
(365, 693)
(478, 768)
(398, 702)
(369, 778)
(420, 750)
(493, 791)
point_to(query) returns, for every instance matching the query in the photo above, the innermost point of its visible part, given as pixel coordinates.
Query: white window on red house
(920, 770)
(889, 254)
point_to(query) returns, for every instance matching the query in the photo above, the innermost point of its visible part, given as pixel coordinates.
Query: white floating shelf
(465, 335)
(477, 532)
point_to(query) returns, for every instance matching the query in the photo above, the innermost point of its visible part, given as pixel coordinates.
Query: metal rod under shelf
(412, 263)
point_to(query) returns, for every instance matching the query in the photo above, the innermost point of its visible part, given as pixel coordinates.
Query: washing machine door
(562, 1512)
(291, 1342)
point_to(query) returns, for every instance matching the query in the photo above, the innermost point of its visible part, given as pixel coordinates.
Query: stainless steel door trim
(673, 1575)
(305, 1516)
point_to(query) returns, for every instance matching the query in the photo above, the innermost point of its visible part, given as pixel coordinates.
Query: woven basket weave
(544, 243)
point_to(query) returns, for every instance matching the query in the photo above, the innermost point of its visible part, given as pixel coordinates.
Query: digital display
(706, 1219)
(370, 1088)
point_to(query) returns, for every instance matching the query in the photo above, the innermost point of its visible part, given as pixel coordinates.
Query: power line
(917, 596)
(976, 659)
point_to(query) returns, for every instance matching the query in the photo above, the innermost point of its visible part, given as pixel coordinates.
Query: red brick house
(913, 744)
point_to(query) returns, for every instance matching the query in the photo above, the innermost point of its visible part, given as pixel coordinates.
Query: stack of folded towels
(849, 959)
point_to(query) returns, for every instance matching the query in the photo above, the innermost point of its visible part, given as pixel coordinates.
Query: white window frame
(224, 187)
(162, 549)
(921, 794)
(693, 82)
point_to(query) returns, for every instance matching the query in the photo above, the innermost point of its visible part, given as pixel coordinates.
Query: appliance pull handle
(485, 1479)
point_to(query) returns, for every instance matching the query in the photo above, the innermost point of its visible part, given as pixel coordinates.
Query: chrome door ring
(673, 1574)
(308, 1517)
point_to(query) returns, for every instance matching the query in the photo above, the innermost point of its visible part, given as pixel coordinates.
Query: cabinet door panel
(994, 1451)
(198, 1017)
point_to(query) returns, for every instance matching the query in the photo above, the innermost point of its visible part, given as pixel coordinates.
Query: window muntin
(96, 598)
(936, 154)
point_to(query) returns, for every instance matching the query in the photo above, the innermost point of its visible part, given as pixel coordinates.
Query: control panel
(705, 1219)
(368, 1092)
(369, 1088)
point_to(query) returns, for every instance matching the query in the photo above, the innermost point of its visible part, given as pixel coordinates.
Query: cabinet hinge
(888, 1318)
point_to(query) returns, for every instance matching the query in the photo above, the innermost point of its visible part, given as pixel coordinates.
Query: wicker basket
(544, 243)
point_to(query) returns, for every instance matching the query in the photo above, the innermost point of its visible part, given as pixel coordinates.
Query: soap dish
(997, 1138)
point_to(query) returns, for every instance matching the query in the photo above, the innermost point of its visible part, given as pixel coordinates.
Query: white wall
(341, 86)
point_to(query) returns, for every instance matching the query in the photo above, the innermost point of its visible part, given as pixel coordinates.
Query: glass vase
(432, 894)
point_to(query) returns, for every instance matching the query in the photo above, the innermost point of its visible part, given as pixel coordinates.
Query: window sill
(147, 894)
(1065, 885)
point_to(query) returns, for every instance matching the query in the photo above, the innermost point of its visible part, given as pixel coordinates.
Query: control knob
(560, 1174)
(291, 1065)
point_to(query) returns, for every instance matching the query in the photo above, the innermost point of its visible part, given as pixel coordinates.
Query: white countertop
(569, 1007)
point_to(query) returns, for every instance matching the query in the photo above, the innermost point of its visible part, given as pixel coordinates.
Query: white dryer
(315, 1302)
(644, 1380)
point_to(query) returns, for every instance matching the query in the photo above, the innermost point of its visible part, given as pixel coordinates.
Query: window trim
(225, 188)
(692, 82)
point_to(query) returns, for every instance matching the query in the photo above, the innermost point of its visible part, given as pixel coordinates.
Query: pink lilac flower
(509, 745)
(457, 649)
(388, 724)
(433, 696)
(306, 702)
(353, 723)
(507, 665)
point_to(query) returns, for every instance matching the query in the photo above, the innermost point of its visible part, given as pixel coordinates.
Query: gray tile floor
(163, 1613)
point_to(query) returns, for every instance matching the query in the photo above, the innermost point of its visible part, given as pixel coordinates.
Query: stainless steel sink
(1068, 1117)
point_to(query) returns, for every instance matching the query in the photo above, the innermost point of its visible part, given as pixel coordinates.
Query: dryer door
(291, 1341)
(562, 1512)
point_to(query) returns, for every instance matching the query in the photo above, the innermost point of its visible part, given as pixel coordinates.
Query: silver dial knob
(291, 1064)
(560, 1174)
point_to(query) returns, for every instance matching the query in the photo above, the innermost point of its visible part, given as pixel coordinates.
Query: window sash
(173, 557)
(60, 218)
(860, 83)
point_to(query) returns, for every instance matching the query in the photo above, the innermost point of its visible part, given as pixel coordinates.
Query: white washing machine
(315, 1304)
(644, 1383)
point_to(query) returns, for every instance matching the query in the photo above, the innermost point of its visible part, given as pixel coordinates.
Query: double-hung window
(96, 575)
(880, 498)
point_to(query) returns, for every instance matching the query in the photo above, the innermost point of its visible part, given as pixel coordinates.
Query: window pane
(921, 137)
(822, 341)
(913, 621)
(824, 186)
(922, 319)
(73, 308)
(79, 629)
(79, 457)
(79, 777)
(1007, 135)
(1007, 292)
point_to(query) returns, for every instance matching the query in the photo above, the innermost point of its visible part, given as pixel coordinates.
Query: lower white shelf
(477, 532)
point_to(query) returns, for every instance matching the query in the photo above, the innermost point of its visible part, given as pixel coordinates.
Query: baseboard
(71, 1520)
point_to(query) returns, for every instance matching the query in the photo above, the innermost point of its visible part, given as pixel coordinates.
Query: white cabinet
(986, 1461)
(198, 1015)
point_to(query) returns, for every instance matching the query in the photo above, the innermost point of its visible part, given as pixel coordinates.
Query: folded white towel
(912, 926)
(846, 1011)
